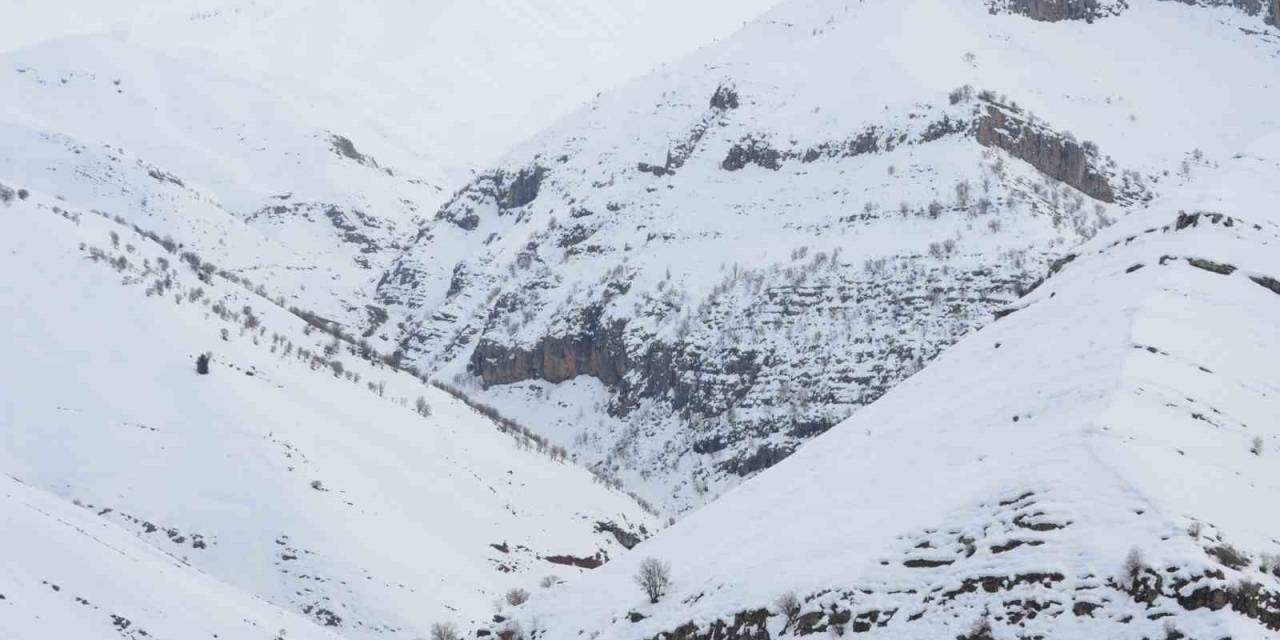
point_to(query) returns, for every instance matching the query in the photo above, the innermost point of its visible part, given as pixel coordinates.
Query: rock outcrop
(498, 189)
(1057, 155)
(598, 350)
(1090, 10)
(1057, 10)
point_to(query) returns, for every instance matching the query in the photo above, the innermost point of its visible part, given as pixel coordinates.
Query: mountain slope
(696, 274)
(132, 591)
(1097, 464)
(216, 163)
(304, 163)
(302, 471)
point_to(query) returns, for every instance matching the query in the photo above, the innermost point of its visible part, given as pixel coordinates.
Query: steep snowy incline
(696, 274)
(1098, 464)
(219, 164)
(71, 574)
(462, 80)
(301, 471)
(459, 81)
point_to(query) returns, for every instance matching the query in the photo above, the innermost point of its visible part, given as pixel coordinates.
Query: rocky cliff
(1090, 10)
(1055, 10)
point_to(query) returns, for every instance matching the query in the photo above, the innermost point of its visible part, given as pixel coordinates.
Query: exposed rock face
(723, 101)
(1057, 10)
(626, 538)
(597, 351)
(761, 383)
(746, 625)
(725, 98)
(1090, 10)
(344, 147)
(496, 189)
(1055, 155)
(755, 151)
(1268, 9)
(1013, 601)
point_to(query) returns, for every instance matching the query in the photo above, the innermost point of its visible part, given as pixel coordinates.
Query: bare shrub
(960, 94)
(1134, 563)
(444, 631)
(1269, 563)
(788, 605)
(516, 597)
(1230, 556)
(421, 406)
(654, 577)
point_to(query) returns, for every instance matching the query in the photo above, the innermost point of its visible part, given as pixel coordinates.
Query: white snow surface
(1130, 402)
(214, 504)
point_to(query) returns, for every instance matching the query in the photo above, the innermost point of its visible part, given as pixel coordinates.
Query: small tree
(548, 582)
(202, 364)
(654, 577)
(422, 407)
(1134, 563)
(1257, 446)
(444, 631)
(517, 597)
(789, 606)
(513, 631)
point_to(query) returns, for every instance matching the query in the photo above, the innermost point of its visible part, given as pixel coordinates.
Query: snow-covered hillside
(457, 81)
(217, 163)
(696, 274)
(1101, 463)
(304, 163)
(915, 318)
(301, 475)
(70, 574)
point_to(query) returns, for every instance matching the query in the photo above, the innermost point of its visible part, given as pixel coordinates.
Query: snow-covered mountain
(302, 485)
(181, 178)
(1098, 464)
(926, 318)
(694, 275)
